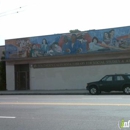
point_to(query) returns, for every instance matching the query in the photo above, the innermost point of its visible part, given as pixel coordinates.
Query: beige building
(66, 61)
(61, 73)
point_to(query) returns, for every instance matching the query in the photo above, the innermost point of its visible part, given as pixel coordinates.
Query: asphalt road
(64, 112)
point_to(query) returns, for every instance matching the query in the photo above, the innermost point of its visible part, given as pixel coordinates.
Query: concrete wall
(71, 77)
(10, 78)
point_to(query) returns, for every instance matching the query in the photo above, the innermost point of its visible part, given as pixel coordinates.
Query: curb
(43, 93)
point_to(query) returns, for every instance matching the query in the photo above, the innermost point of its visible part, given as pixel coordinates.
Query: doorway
(22, 77)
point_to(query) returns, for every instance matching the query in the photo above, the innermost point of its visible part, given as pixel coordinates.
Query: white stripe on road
(65, 104)
(7, 117)
(101, 98)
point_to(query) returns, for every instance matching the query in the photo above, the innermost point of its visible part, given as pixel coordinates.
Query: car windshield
(107, 78)
(104, 78)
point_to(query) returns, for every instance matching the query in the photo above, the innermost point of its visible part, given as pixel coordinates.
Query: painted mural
(115, 39)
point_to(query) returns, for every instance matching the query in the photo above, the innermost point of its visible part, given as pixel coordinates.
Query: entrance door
(22, 80)
(22, 77)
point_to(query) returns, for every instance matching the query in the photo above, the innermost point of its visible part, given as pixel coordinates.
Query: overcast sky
(43, 17)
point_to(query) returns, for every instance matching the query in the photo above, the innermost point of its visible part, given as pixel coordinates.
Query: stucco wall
(71, 77)
(10, 80)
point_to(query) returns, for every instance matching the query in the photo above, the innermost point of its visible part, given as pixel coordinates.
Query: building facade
(66, 61)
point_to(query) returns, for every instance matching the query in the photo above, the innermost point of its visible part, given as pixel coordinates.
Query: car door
(118, 82)
(106, 83)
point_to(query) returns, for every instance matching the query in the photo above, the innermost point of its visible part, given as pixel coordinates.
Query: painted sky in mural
(115, 39)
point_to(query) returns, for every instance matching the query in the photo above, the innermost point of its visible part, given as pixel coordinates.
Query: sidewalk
(45, 92)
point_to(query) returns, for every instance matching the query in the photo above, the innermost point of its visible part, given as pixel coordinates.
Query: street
(63, 112)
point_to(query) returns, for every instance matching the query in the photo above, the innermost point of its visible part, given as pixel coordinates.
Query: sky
(27, 18)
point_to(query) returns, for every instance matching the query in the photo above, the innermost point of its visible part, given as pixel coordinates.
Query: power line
(16, 12)
(13, 11)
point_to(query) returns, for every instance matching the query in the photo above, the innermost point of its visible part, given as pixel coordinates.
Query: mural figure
(55, 49)
(84, 44)
(113, 40)
(28, 48)
(35, 52)
(44, 46)
(106, 38)
(95, 45)
(66, 46)
(22, 48)
(75, 45)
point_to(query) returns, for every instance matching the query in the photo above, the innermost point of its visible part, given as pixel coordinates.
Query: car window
(119, 78)
(104, 79)
(128, 76)
(107, 78)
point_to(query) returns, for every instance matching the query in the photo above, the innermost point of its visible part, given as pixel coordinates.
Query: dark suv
(115, 82)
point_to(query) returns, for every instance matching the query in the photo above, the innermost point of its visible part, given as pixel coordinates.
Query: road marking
(102, 98)
(64, 104)
(7, 117)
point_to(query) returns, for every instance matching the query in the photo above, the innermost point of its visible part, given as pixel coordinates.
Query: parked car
(115, 82)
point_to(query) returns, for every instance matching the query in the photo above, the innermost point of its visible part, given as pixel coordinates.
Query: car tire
(126, 90)
(93, 90)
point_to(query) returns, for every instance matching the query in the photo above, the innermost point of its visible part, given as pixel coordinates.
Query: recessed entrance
(22, 77)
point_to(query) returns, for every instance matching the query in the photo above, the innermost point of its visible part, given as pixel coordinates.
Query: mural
(116, 39)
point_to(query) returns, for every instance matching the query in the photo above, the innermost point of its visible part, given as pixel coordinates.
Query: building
(66, 61)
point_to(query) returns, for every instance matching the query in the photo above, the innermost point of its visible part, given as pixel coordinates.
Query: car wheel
(126, 90)
(93, 90)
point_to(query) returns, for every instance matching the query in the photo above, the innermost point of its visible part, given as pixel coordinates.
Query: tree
(3, 57)
(3, 73)
(75, 31)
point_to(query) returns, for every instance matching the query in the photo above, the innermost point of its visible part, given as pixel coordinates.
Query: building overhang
(72, 58)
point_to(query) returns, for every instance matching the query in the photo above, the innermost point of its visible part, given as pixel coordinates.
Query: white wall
(10, 79)
(71, 77)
